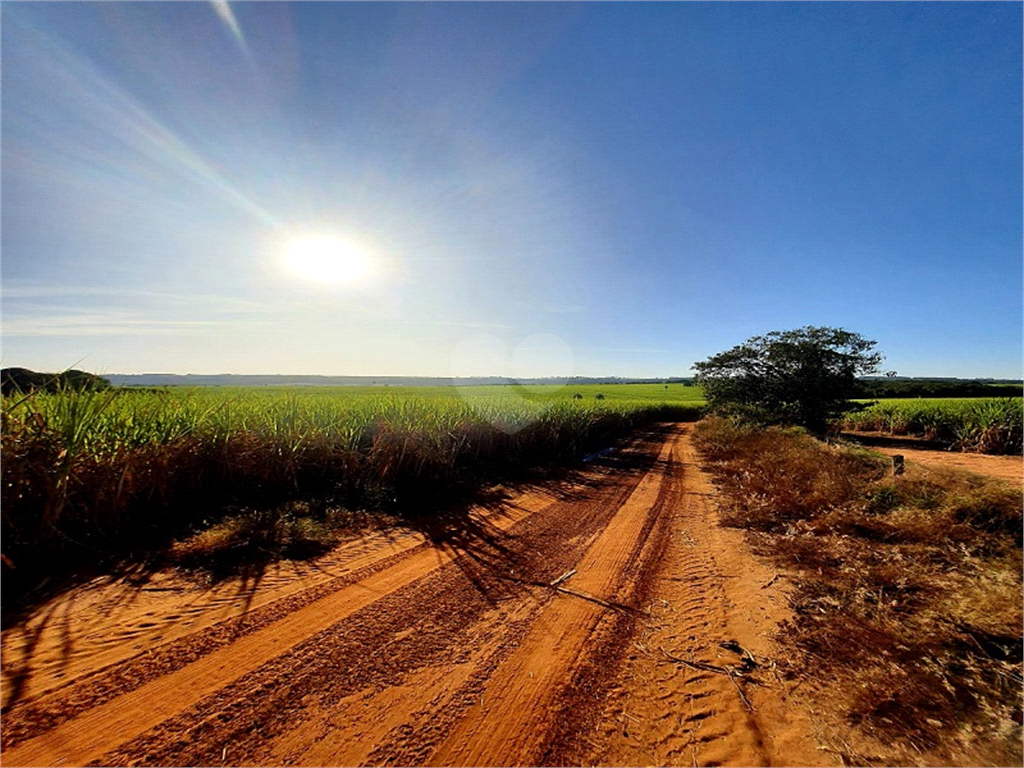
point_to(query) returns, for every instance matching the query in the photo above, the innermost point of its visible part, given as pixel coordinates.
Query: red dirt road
(450, 647)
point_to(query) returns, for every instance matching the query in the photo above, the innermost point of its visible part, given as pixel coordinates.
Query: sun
(325, 259)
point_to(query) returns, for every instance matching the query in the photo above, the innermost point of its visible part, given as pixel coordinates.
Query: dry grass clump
(778, 476)
(250, 539)
(909, 591)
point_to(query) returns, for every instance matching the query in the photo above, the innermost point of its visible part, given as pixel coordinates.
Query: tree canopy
(804, 376)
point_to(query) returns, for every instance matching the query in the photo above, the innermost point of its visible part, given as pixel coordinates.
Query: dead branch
(735, 647)
(740, 692)
(771, 581)
(582, 595)
(562, 578)
(697, 664)
(599, 601)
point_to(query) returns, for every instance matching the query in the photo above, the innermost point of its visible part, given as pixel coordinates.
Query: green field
(114, 419)
(634, 393)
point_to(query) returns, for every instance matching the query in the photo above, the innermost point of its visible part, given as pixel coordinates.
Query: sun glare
(327, 260)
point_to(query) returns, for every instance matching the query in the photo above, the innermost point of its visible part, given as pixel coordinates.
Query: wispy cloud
(97, 325)
(44, 292)
(223, 9)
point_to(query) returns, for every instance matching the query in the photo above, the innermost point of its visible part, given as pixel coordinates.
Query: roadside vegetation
(92, 476)
(908, 595)
(907, 607)
(981, 425)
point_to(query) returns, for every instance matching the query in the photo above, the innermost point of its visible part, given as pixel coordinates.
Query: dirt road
(603, 618)
(1008, 468)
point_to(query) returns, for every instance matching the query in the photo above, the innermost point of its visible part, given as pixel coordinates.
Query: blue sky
(610, 189)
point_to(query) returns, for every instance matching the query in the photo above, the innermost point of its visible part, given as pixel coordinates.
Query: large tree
(805, 376)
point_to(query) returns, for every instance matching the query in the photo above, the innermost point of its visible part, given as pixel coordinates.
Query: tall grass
(107, 472)
(982, 425)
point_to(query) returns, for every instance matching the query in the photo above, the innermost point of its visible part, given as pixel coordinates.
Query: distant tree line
(22, 380)
(898, 388)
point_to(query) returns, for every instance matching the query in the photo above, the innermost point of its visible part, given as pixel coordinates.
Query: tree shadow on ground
(870, 440)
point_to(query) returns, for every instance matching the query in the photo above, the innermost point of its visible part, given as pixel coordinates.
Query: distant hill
(14, 380)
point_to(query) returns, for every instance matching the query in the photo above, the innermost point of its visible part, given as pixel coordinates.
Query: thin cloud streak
(223, 10)
(67, 292)
(99, 325)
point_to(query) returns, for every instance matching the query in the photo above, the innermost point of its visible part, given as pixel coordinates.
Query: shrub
(783, 474)
(14, 381)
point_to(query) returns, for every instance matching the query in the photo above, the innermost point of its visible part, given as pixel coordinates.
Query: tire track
(54, 707)
(514, 726)
(659, 712)
(109, 624)
(30, 718)
(104, 727)
(459, 613)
